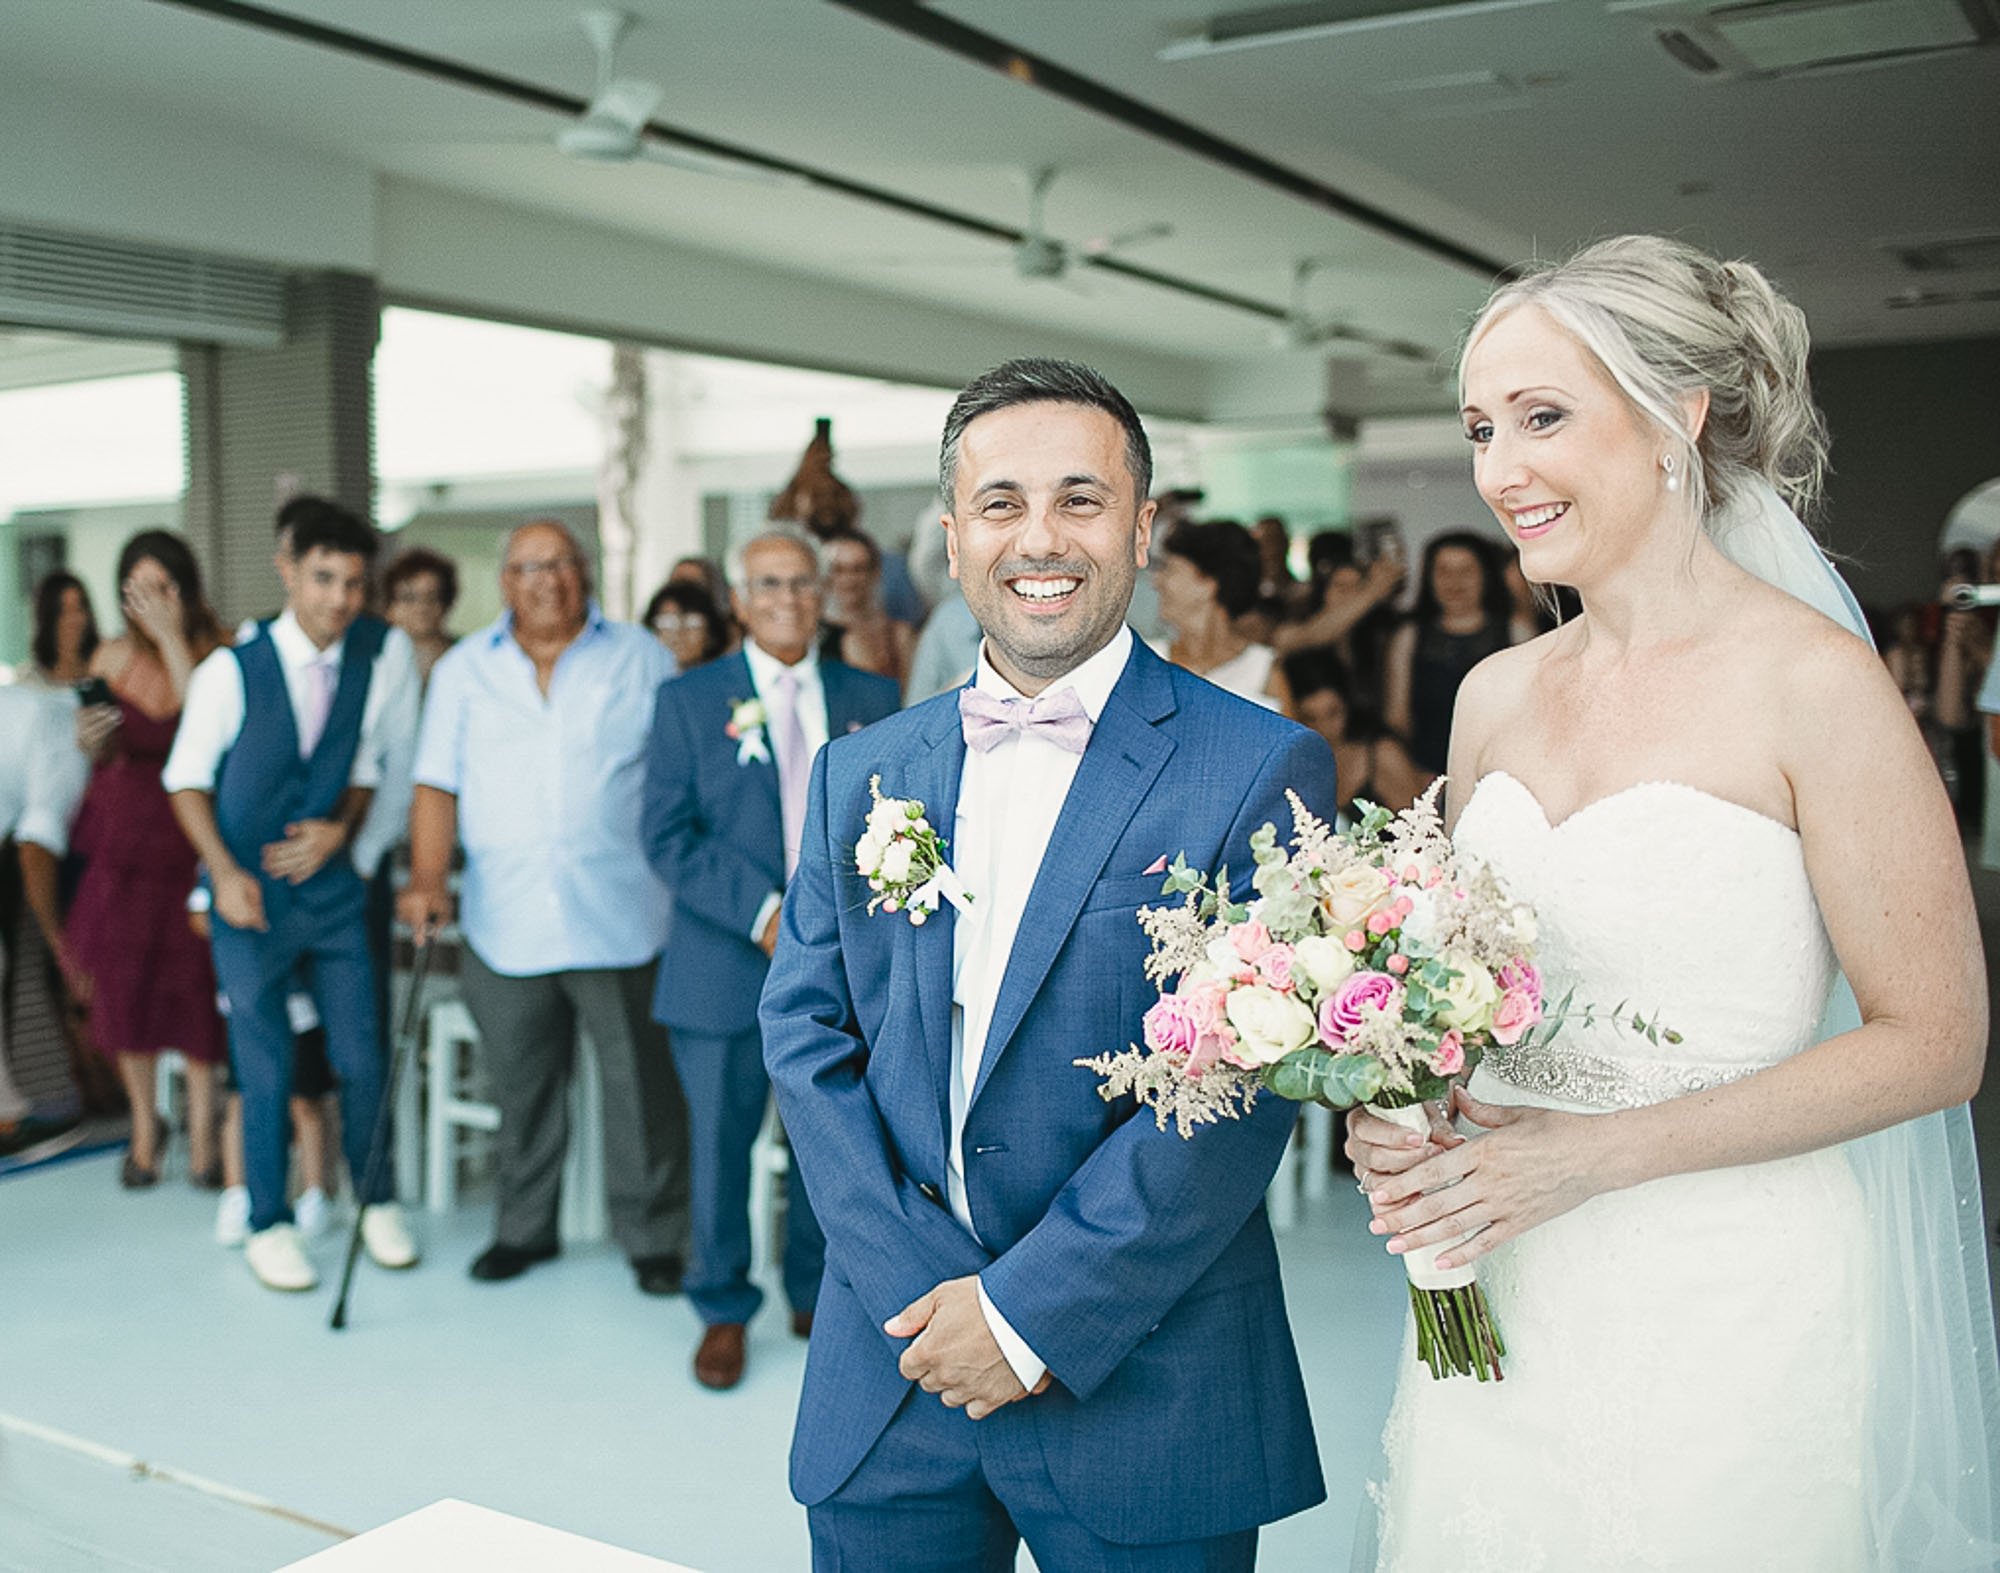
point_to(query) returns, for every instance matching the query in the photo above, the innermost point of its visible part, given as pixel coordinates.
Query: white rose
(1420, 928)
(1468, 1000)
(1222, 955)
(885, 819)
(1326, 962)
(1526, 929)
(1352, 894)
(895, 868)
(1269, 1025)
(868, 855)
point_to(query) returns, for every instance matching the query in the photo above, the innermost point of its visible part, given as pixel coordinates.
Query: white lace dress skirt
(1685, 1387)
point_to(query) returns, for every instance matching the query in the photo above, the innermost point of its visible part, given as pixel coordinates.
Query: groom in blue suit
(1043, 1318)
(726, 774)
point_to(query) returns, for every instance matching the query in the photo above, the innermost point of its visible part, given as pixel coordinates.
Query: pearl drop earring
(1673, 479)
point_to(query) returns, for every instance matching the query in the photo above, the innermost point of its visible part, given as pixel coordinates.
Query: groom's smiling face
(1046, 535)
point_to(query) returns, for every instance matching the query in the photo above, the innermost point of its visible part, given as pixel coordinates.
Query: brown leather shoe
(718, 1363)
(802, 1324)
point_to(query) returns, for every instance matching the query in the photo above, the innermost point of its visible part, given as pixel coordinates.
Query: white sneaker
(387, 1236)
(279, 1260)
(312, 1213)
(232, 1217)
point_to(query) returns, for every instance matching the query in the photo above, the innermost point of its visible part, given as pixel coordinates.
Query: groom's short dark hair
(1036, 380)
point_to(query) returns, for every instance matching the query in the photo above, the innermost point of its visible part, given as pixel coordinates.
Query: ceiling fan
(612, 128)
(1039, 255)
(1301, 329)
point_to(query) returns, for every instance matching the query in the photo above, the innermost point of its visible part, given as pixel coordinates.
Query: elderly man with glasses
(532, 754)
(732, 752)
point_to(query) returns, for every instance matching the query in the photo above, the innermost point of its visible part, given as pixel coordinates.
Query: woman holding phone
(127, 953)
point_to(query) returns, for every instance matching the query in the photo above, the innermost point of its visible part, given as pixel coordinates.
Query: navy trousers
(256, 972)
(727, 1088)
(939, 1493)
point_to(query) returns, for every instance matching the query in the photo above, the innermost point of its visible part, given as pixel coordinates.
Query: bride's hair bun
(1667, 320)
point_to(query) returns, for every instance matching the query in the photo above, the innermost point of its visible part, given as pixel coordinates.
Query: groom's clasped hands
(953, 1353)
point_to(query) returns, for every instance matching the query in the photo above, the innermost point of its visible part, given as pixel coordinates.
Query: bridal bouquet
(1372, 966)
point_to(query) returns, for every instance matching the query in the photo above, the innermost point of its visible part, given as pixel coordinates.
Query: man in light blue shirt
(533, 754)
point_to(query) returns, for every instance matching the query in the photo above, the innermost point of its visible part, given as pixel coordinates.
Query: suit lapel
(1126, 754)
(936, 769)
(741, 686)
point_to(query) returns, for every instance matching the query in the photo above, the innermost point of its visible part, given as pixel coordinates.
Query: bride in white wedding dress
(1741, 1277)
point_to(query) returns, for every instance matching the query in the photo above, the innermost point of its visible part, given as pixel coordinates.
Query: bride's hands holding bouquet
(1528, 1166)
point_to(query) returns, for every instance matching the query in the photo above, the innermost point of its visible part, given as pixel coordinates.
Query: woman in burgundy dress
(129, 953)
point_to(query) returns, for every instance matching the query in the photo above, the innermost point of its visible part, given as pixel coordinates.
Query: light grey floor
(563, 1397)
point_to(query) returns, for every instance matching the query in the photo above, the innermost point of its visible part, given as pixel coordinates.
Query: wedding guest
(1350, 606)
(533, 755)
(65, 635)
(857, 631)
(1463, 614)
(43, 1011)
(705, 574)
(1371, 764)
(725, 806)
(946, 651)
(1206, 575)
(420, 587)
(129, 959)
(278, 757)
(1964, 650)
(688, 623)
(35, 724)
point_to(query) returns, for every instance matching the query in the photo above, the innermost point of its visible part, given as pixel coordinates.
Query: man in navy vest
(726, 771)
(277, 757)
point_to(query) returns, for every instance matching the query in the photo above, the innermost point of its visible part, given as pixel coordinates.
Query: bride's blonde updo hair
(1664, 320)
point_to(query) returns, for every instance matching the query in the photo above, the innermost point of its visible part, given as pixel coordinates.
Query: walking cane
(378, 1145)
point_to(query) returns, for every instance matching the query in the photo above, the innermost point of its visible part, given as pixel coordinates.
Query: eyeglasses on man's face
(771, 586)
(532, 568)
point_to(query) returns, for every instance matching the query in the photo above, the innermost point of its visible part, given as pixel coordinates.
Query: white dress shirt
(212, 716)
(42, 771)
(764, 670)
(548, 789)
(1009, 800)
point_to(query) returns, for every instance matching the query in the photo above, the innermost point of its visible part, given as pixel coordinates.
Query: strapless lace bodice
(1680, 904)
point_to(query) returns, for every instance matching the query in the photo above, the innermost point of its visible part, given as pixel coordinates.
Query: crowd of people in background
(551, 784)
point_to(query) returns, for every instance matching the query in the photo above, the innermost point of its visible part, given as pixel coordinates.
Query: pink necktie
(320, 678)
(794, 766)
(1057, 718)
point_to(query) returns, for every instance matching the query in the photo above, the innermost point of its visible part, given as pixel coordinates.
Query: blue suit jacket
(714, 833)
(1139, 1266)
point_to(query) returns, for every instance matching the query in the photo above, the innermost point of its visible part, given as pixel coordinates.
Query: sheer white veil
(1933, 1494)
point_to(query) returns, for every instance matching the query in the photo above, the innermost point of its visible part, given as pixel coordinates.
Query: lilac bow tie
(1057, 718)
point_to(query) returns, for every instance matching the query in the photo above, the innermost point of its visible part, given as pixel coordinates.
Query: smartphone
(1378, 538)
(95, 691)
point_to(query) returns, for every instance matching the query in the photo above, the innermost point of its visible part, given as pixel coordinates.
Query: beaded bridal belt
(1596, 1080)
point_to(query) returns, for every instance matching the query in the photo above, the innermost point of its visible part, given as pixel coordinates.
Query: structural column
(266, 424)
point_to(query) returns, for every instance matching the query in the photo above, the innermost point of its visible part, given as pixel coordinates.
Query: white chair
(769, 1158)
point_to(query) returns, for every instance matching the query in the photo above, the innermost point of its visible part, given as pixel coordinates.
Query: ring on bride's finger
(1361, 1182)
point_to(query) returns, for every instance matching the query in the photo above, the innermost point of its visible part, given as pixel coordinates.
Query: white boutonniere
(747, 721)
(902, 858)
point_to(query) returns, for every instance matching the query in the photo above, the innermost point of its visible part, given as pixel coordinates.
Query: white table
(457, 1537)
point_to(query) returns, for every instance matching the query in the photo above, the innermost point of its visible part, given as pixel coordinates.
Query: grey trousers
(528, 1029)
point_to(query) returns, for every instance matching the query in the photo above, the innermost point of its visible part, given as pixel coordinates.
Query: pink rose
(1275, 968)
(1341, 1014)
(1251, 941)
(1398, 964)
(1171, 1027)
(1449, 1057)
(1517, 1011)
(1520, 977)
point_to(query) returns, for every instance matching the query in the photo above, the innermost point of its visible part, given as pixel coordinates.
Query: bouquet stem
(1456, 1335)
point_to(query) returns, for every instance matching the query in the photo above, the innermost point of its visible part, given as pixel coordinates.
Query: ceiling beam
(996, 54)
